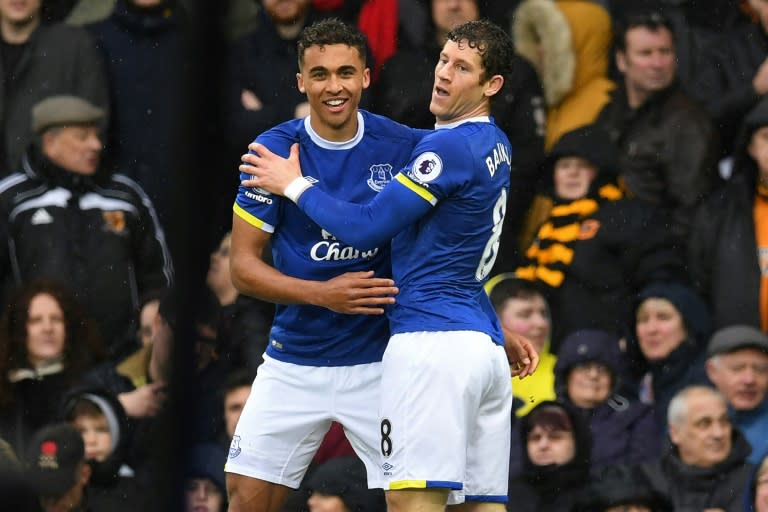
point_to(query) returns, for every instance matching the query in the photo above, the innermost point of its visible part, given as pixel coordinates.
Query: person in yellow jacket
(568, 42)
(522, 309)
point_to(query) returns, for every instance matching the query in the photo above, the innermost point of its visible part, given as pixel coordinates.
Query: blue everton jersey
(444, 211)
(441, 261)
(356, 170)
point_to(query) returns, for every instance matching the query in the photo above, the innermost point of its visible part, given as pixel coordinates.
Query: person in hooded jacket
(205, 488)
(339, 485)
(667, 351)
(588, 375)
(568, 42)
(101, 420)
(705, 467)
(728, 246)
(595, 248)
(557, 446)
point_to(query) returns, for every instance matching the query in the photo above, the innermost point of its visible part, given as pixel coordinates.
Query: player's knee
(247, 494)
(408, 500)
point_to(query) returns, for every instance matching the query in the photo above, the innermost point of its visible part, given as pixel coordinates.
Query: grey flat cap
(63, 110)
(735, 337)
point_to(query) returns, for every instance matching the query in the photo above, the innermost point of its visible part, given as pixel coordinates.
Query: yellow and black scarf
(551, 252)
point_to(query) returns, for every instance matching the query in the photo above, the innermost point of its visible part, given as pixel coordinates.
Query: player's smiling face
(333, 78)
(458, 92)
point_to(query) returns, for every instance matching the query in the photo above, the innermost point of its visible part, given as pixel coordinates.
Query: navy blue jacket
(144, 51)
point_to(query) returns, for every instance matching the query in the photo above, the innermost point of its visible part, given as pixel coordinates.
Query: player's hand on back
(358, 293)
(521, 355)
(270, 172)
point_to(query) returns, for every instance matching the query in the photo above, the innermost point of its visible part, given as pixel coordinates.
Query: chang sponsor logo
(335, 251)
(330, 249)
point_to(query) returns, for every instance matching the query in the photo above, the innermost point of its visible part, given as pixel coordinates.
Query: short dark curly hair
(494, 45)
(331, 31)
(648, 19)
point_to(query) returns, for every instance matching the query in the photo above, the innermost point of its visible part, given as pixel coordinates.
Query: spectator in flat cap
(67, 217)
(64, 110)
(737, 365)
(56, 468)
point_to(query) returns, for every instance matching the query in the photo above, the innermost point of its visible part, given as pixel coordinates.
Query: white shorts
(446, 415)
(291, 408)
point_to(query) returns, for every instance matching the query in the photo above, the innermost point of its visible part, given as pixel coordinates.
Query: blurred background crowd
(634, 253)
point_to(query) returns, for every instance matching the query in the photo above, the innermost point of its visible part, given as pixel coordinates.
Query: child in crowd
(102, 422)
(522, 309)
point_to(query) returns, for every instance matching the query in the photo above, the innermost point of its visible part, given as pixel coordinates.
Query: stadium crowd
(634, 253)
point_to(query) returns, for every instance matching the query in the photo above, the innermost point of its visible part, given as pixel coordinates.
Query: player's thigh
(246, 494)
(357, 409)
(489, 436)
(422, 500)
(282, 423)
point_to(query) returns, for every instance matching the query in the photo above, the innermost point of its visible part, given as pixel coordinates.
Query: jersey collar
(327, 144)
(478, 119)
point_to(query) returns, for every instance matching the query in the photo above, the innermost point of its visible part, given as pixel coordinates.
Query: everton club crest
(381, 174)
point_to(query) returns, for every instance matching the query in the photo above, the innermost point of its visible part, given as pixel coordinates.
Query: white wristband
(296, 188)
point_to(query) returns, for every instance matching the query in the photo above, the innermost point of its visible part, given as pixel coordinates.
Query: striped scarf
(551, 252)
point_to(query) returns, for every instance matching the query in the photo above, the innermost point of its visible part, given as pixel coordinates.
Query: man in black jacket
(728, 246)
(668, 144)
(706, 466)
(65, 218)
(733, 75)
